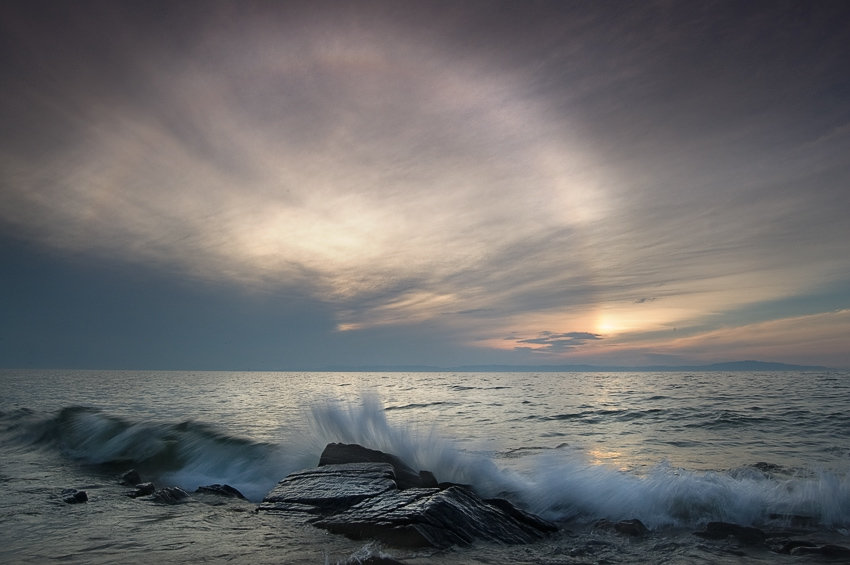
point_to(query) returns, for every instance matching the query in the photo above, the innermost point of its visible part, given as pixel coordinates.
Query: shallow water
(675, 450)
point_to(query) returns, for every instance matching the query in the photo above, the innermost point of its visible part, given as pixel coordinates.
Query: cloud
(624, 173)
(551, 342)
(319, 155)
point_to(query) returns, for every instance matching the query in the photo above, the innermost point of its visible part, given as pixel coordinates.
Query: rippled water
(675, 450)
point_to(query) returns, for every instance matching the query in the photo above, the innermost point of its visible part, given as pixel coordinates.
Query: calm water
(675, 450)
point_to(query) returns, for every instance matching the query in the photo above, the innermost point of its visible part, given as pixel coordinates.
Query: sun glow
(607, 325)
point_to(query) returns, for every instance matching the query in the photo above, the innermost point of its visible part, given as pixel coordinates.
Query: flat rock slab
(332, 488)
(405, 476)
(363, 501)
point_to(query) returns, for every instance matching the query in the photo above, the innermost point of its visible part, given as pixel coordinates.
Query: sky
(291, 185)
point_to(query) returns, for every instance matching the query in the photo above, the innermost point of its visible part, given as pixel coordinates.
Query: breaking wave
(559, 483)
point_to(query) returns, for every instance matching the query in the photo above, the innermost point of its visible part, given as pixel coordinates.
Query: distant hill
(761, 366)
(730, 366)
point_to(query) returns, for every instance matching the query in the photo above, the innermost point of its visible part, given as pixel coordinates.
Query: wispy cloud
(549, 342)
(580, 182)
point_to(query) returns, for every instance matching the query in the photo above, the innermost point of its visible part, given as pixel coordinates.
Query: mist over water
(673, 450)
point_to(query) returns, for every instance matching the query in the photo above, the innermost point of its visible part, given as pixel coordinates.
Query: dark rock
(825, 550)
(131, 478)
(633, 527)
(331, 488)
(221, 490)
(790, 546)
(373, 560)
(520, 515)
(428, 517)
(428, 480)
(405, 476)
(142, 489)
(363, 500)
(721, 530)
(445, 484)
(768, 468)
(170, 495)
(74, 496)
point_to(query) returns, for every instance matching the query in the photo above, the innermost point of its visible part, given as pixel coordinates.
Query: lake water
(675, 450)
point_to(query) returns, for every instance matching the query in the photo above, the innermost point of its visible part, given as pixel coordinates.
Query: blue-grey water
(675, 450)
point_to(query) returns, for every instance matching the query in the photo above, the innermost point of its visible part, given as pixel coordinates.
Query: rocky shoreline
(366, 494)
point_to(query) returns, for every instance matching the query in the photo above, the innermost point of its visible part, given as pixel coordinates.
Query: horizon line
(743, 366)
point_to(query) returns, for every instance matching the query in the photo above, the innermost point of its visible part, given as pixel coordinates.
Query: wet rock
(142, 489)
(170, 495)
(790, 546)
(429, 517)
(331, 488)
(428, 479)
(364, 500)
(74, 496)
(633, 527)
(372, 560)
(518, 514)
(721, 530)
(405, 476)
(130, 478)
(768, 468)
(836, 551)
(221, 490)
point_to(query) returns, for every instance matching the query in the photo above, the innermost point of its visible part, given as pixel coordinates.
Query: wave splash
(558, 483)
(562, 484)
(566, 486)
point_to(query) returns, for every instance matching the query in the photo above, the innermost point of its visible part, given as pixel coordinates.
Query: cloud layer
(584, 181)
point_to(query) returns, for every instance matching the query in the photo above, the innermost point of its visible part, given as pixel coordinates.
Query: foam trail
(564, 485)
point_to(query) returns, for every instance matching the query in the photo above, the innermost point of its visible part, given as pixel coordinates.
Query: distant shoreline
(729, 366)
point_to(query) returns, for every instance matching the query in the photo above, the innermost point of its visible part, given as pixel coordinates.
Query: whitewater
(674, 450)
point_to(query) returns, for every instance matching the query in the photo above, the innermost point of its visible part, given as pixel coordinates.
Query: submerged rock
(364, 500)
(829, 550)
(373, 560)
(791, 545)
(633, 527)
(221, 490)
(142, 489)
(170, 495)
(721, 530)
(74, 496)
(130, 478)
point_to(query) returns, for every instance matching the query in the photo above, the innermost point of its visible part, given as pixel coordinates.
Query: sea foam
(564, 484)
(559, 483)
